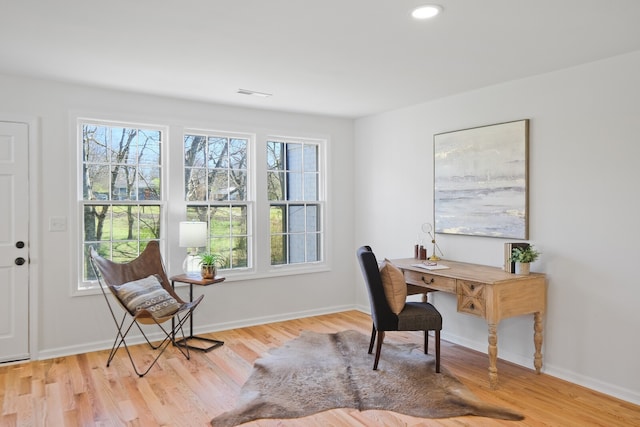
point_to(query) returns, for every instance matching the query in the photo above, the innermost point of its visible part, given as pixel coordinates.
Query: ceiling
(348, 58)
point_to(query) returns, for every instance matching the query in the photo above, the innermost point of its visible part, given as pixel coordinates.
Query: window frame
(320, 201)
(83, 287)
(249, 203)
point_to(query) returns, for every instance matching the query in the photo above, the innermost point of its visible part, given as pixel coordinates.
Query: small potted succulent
(523, 257)
(209, 264)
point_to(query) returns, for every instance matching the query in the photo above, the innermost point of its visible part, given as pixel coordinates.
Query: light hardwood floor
(81, 391)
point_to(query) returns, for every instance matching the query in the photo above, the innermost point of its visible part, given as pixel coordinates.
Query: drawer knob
(472, 306)
(473, 287)
(430, 281)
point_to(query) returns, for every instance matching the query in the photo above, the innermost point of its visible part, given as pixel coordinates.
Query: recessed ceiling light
(254, 93)
(426, 11)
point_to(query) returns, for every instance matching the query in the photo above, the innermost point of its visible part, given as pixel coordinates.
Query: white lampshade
(193, 234)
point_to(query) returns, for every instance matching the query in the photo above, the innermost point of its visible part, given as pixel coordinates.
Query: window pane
(218, 153)
(296, 248)
(310, 186)
(275, 185)
(237, 185)
(296, 219)
(149, 222)
(94, 146)
(125, 223)
(275, 155)
(278, 249)
(313, 219)
(122, 144)
(194, 150)
(238, 153)
(218, 185)
(239, 253)
(294, 157)
(195, 184)
(277, 219)
(239, 220)
(198, 213)
(294, 186)
(310, 158)
(148, 183)
(313, 247)
(96, 219)
(148, 147)
(96, 182)
(123, 182)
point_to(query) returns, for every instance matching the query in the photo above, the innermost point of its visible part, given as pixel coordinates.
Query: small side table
(196, 280)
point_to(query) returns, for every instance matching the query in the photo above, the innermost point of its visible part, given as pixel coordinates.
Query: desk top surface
(466, 271)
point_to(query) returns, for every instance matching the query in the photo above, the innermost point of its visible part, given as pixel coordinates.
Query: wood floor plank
(82, 391)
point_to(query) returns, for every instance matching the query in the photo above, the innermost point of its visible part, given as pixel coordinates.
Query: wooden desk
(487, 292)
(195, 280)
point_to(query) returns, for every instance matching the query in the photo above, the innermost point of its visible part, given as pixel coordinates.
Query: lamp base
(191, 265)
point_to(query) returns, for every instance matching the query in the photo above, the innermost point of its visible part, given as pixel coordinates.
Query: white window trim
(79, 286)
(307, 267)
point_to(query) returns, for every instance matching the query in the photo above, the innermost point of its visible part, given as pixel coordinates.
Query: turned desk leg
(493, 355)
(537, 340)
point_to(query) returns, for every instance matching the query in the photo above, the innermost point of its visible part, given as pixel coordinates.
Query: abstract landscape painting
(481, 181)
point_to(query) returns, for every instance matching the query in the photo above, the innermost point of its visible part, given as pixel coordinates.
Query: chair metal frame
(149, 262)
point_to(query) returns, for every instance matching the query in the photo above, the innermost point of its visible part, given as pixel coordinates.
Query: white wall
(66, 324)
(584, 200)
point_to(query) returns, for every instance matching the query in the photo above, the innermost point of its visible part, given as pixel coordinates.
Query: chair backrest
(149, 262)
(383, 318)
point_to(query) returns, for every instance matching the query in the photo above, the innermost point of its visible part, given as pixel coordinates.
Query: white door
(14, 241)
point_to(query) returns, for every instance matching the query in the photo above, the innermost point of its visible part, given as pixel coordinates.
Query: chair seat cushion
(395, 288)
(147, 294)
(419, 316)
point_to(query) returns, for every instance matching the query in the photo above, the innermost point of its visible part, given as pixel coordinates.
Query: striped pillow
(147, 294)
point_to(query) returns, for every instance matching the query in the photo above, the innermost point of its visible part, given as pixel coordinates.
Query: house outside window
(120, 192)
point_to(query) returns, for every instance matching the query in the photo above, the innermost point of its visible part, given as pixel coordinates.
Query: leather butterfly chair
(112, 276)
(415, 316)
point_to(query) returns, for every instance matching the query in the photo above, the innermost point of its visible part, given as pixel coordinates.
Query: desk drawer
(430, 281)
(471, 298)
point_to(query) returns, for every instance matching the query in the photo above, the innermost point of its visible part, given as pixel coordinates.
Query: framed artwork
(481, 181)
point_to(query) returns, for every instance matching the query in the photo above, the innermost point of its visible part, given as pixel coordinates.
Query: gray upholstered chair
(415, 316)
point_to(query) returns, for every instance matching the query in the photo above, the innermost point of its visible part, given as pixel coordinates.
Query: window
(295, 208)
(121, 190)
(216, 190)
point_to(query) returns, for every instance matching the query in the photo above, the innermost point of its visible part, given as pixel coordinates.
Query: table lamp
(193, 235)
(427, 228)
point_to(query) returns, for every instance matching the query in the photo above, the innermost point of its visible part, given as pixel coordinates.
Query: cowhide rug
(317, 372)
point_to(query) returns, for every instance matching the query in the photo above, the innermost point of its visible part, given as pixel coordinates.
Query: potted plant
(523, 257)
(209, 263)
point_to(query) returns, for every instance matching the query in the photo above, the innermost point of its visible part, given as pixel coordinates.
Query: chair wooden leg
(373, 338)
(437, 351)
(426, 342)
(378, 349)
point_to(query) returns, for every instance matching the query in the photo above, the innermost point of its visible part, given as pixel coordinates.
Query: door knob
(20, 261)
